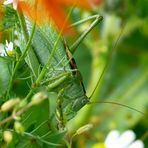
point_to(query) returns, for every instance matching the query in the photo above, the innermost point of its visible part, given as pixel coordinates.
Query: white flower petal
(1, 46)
(8, 2)
(14, 2)
(10, 46)
(111, 139)
(126, 139)
(137, 144)
(16, 42)
(7, 44)
(2, 51)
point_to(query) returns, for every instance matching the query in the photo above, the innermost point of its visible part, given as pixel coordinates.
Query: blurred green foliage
(126, 79)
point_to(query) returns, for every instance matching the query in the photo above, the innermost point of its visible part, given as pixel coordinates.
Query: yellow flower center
(10, 52)
(99, 145)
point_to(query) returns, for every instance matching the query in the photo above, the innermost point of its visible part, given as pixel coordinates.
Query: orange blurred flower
(43, 10)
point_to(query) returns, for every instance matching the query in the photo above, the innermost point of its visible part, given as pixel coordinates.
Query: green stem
(67, 144)
(29, 94)
(21, 57)
(31, 58)
(45, 68)
(42, 140)
(23, 26)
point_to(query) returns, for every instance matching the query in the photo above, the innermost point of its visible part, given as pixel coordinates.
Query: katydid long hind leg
(97, 20)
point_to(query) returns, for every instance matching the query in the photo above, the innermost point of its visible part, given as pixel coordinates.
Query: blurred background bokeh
(124, 30)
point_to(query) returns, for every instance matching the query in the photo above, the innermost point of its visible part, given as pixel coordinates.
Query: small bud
(18, 127)
(84, 129)
(38, 98)
(7, 135)
(9, 104)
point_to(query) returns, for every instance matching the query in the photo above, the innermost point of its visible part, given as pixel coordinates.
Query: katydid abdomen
(72, 94)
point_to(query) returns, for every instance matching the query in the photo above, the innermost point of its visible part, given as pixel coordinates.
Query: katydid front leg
(56, 82)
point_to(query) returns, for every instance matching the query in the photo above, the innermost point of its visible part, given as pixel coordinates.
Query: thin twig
(18, 113)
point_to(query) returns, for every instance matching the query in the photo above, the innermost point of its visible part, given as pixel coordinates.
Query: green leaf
(5, 74)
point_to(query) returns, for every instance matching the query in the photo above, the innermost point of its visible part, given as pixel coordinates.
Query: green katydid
(62, 75)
